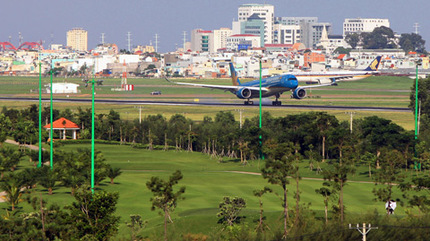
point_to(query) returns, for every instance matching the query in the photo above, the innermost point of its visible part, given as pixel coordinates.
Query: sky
(49, 20)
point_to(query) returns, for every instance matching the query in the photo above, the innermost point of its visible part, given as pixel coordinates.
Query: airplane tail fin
(374, 65)
(234, 77)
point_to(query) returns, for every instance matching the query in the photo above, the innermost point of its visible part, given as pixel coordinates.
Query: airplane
(270, 86)
(326, 76)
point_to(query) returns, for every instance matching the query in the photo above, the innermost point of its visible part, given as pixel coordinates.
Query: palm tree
(112, 173)
(12, 186)
(48, 178)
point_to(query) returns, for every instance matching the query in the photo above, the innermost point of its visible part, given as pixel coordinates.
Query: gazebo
(63, 125)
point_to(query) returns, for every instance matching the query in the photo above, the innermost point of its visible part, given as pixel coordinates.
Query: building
(254, 25)
(63, 88)
(286, 34)
(202, 40)
(243, 42)
(359, 25)
(307, 30)
(264, 11)
(220, 38)
(77, 39)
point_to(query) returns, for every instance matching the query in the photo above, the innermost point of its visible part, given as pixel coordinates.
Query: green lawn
(207, 181)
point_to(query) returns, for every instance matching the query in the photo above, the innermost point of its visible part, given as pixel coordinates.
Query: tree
(230, 208)
(369, 159)
(48, 178)
(259, 194)
(12, 186)
(380, 38)
(353, 39)
(93, 215)
(276, 171)
(164, 198)
(338, 174)
(136, 224)
(412, 42)
(326, 192)
(325, 122)
(389, 175)
(112, 173)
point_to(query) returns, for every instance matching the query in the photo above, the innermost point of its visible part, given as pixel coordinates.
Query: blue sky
(37, 20)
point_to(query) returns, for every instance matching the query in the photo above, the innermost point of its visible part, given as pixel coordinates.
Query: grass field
(374, 91)
(207, 181)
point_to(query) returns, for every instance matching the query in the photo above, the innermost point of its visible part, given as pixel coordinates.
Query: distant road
(203, 103)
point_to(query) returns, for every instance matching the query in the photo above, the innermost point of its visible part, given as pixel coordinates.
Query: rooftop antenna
(185, 39)
(129, 41)
(103, 38)
(416, 26)
(20, 39)
(156, 43)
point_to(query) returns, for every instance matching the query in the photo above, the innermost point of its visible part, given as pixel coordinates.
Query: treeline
(315, 135)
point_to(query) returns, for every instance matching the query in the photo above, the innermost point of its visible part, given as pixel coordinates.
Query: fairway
(207, 181)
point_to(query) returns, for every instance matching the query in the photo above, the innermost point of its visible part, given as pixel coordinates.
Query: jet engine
(243, 93)
(299, 93)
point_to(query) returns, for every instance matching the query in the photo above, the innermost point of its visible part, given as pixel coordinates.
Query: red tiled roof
(62, 123)
(341, 56)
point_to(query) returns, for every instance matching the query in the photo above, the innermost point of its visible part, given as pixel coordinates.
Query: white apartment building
(235, 42)
(358, 25)
(77, 39)
(220, 38)
(286, 34)
(265, 11)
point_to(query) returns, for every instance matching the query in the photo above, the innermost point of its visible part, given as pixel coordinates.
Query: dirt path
(304, 178)
(31, 147)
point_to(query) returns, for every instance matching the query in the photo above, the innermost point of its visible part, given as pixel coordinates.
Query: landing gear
(249, 102)
(276, 102)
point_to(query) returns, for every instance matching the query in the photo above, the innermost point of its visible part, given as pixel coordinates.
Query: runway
(265, 103)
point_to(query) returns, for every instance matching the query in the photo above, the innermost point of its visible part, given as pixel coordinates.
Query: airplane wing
(332, 81)
(232, 89)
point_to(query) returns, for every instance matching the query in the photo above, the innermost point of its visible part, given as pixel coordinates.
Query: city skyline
(50, 20)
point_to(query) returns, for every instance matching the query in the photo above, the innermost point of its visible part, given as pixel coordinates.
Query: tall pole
(92, 136)
(40, 113)
(416, 114)
(260, 123)
(51, 132)
(416, 104)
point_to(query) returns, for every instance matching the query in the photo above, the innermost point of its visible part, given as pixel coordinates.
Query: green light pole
(92, 136)
(51, 158)
(416, 111)
(260, 123)
(40, 113)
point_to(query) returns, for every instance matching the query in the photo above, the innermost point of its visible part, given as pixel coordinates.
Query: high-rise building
(286, 34)
(77, 39)
(202, 40)
(255, 26)
(220, 38)
(265, 12)
(359, 25)
(309, 28)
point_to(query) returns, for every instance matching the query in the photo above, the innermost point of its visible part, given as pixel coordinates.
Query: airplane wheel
(251, 102)
(276, 103)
